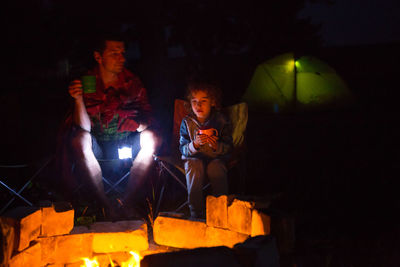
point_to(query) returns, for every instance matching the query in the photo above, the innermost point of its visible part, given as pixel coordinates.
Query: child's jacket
(189, 129)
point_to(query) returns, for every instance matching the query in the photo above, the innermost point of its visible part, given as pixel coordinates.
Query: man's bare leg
(141, 165)
(88, 167)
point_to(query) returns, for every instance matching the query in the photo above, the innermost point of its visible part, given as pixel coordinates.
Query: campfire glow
(133, 261)
(90, 263)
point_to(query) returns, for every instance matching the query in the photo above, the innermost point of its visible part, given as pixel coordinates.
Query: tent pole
(295, 84)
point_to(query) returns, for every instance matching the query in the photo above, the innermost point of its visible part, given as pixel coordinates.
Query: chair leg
(114, 186)
(159, 199)
(18, 194)
(164, 167)
(182, 206)
(172, 174)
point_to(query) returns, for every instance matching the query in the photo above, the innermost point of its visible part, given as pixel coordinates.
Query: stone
(8, 239)
(260, 202)
(258, 251)
(200, 257)
(155, 249)
(58, 219)
(223, 237)
(239, 216)
(26, 222)
(119, 236)
(179, 233)
(79, 230)
(66, 248)
(217, 211)
(115, 227)
(100, 237)
(28, 257)
(260, 223)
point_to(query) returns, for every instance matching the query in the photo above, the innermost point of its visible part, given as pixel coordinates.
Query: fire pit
(46, 236)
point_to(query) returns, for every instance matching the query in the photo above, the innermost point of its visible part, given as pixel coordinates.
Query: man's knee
(81, 143)
(149, 141)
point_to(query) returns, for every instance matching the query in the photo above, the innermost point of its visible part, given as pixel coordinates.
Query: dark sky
(354, 22)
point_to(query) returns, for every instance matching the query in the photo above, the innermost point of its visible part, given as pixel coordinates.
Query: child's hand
(201, 139)
(212, 141)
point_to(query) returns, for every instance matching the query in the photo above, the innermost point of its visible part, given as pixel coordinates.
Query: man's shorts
(109, 149)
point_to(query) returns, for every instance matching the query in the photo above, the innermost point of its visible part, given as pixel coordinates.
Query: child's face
(201, 105)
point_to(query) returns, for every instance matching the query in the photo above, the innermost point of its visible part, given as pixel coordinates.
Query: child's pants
(196, 172)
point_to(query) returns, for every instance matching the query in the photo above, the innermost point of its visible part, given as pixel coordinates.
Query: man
(117, 114)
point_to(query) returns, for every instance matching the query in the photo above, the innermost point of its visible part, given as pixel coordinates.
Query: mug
(208, 132)
(89, 84)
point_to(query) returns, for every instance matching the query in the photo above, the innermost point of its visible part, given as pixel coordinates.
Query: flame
(90, 263)
(133, 261)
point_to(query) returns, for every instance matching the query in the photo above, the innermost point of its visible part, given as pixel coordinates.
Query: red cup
(208, 131)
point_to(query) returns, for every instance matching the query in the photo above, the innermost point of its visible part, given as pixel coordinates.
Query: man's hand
(213, 142)
(80, 115)
(142, 127)
(75, 89)
(201, 139)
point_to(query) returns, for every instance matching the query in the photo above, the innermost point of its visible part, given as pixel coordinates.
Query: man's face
(113, 57)
(201, 105)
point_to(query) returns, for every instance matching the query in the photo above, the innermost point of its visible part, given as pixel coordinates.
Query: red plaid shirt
(128, 103)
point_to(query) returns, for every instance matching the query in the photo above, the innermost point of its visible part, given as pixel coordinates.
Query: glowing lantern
(125, 152)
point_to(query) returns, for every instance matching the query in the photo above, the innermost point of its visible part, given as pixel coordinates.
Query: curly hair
(213, 92)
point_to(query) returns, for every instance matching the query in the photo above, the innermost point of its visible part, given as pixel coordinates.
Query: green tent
(285, 84)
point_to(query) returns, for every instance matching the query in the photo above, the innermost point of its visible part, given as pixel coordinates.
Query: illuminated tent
(285, 84)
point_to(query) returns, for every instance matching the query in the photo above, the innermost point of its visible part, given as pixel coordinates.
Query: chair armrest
(174, 161)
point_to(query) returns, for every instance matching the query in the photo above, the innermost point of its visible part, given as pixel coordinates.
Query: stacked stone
(46, 236)
(228, 221)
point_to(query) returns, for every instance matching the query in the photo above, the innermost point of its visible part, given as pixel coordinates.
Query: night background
(335, 172)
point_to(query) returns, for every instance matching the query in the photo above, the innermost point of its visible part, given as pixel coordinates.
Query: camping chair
(174, 166)
(18, 193)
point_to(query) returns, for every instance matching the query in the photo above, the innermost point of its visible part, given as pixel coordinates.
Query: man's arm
(80, 116)
(142, 127)
(145, 109)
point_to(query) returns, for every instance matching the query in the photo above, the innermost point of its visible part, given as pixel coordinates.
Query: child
(205, 143)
